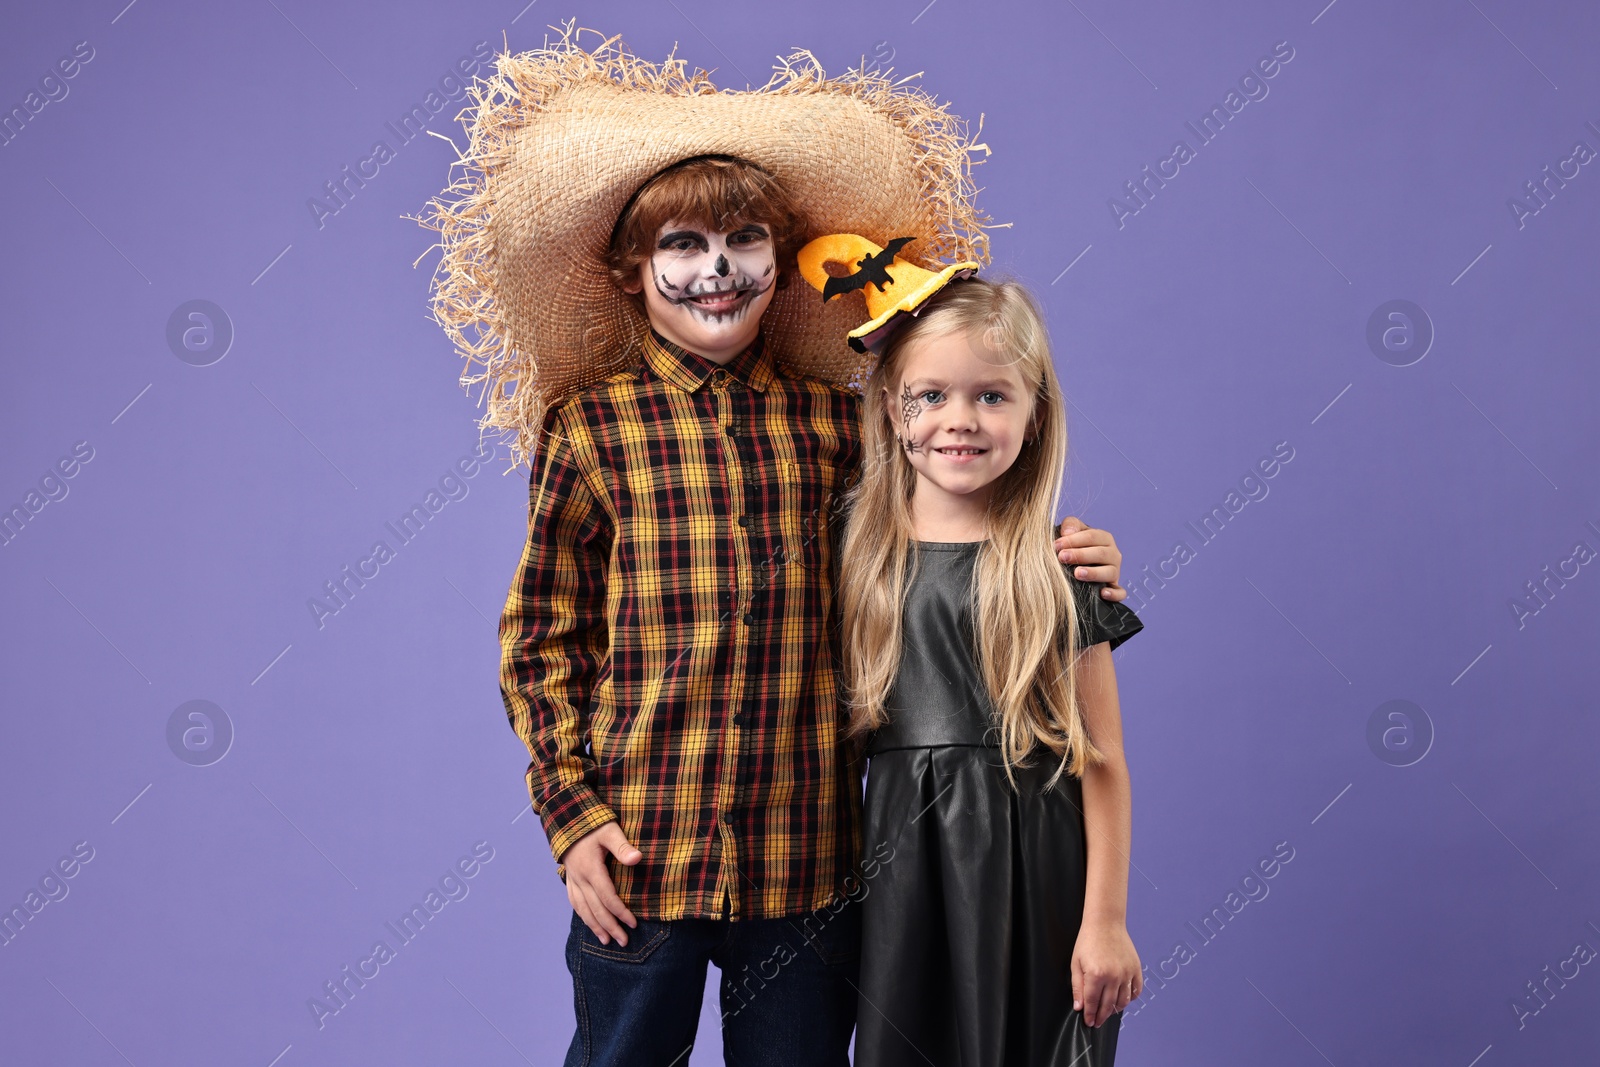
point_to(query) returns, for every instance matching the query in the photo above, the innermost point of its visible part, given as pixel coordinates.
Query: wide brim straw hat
(558, 140)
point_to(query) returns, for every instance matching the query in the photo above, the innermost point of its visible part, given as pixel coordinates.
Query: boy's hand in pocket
(589, 885)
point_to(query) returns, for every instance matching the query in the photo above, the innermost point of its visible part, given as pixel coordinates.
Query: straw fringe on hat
(559, 139)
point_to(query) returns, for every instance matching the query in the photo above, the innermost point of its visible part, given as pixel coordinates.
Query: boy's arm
(1105, 965)
(1095, 554)
(553, 637)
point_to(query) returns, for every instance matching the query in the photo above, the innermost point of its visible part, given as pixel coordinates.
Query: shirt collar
(689, 370)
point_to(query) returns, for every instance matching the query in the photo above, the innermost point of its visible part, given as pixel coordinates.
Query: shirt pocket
(809, 494)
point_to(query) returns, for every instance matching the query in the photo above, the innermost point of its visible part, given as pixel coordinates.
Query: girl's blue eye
(932, 396)
(997, 397)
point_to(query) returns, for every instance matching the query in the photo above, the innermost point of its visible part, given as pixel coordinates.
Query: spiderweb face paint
(910, 408)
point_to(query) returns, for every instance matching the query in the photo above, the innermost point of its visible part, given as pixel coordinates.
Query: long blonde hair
(1025, 618)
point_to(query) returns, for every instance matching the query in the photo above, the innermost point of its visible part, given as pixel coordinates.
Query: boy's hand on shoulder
(589, 886)
(1094, 555)
(1106, 975)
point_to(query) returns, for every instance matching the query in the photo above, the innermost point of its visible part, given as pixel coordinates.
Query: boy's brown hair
(717, 192)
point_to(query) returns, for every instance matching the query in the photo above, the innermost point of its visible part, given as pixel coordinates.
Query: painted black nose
(722, 265)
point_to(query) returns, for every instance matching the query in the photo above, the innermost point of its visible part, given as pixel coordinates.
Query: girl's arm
(1105, 965)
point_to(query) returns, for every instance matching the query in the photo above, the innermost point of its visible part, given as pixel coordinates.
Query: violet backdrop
(1378, 660)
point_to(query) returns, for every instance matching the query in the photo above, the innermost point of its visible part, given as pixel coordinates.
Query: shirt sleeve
(553, 638)
(1100, 619)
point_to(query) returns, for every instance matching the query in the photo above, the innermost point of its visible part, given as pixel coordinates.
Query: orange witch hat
(894, 288)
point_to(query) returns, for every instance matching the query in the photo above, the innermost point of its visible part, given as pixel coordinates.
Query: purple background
(1229, 314)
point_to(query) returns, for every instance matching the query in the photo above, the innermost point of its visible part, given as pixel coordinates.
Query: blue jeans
(788, 990)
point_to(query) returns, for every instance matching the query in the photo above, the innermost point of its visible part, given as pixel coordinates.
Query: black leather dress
(970, 923)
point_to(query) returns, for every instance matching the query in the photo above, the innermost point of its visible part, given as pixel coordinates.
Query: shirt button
(749, 618)
(744, 520)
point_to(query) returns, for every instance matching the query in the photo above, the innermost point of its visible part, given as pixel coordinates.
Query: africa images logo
(1253, 87)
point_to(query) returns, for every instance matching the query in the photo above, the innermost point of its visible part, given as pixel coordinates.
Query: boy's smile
(714, 301)
(707, 289)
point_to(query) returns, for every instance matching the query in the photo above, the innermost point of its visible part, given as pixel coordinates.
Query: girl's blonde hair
(1025, 618)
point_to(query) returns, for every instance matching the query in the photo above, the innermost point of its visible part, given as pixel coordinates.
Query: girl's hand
(1092, 552)
(1105, 971)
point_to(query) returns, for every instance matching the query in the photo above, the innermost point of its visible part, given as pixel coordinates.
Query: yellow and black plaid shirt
(668, 645)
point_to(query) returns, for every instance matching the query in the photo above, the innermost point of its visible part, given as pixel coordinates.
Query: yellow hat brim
(869, 335)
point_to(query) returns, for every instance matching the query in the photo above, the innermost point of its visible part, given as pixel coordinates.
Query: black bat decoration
(874, 271)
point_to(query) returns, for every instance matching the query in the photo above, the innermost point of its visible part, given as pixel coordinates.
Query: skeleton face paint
(708, 289)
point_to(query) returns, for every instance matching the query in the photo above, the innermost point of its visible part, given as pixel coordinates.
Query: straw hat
(560, 137)
(895, 289)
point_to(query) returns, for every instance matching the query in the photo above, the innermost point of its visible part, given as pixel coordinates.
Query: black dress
(976, 889)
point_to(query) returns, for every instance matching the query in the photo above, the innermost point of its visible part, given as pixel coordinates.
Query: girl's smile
(960, 453)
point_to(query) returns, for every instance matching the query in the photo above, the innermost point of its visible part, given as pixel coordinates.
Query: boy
(668, 655)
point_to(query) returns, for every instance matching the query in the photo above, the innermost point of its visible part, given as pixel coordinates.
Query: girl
(980, 676)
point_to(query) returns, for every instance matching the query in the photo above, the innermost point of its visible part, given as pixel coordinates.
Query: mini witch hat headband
(895, 289)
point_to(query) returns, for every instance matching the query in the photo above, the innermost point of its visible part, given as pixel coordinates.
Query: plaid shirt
(669, 642)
